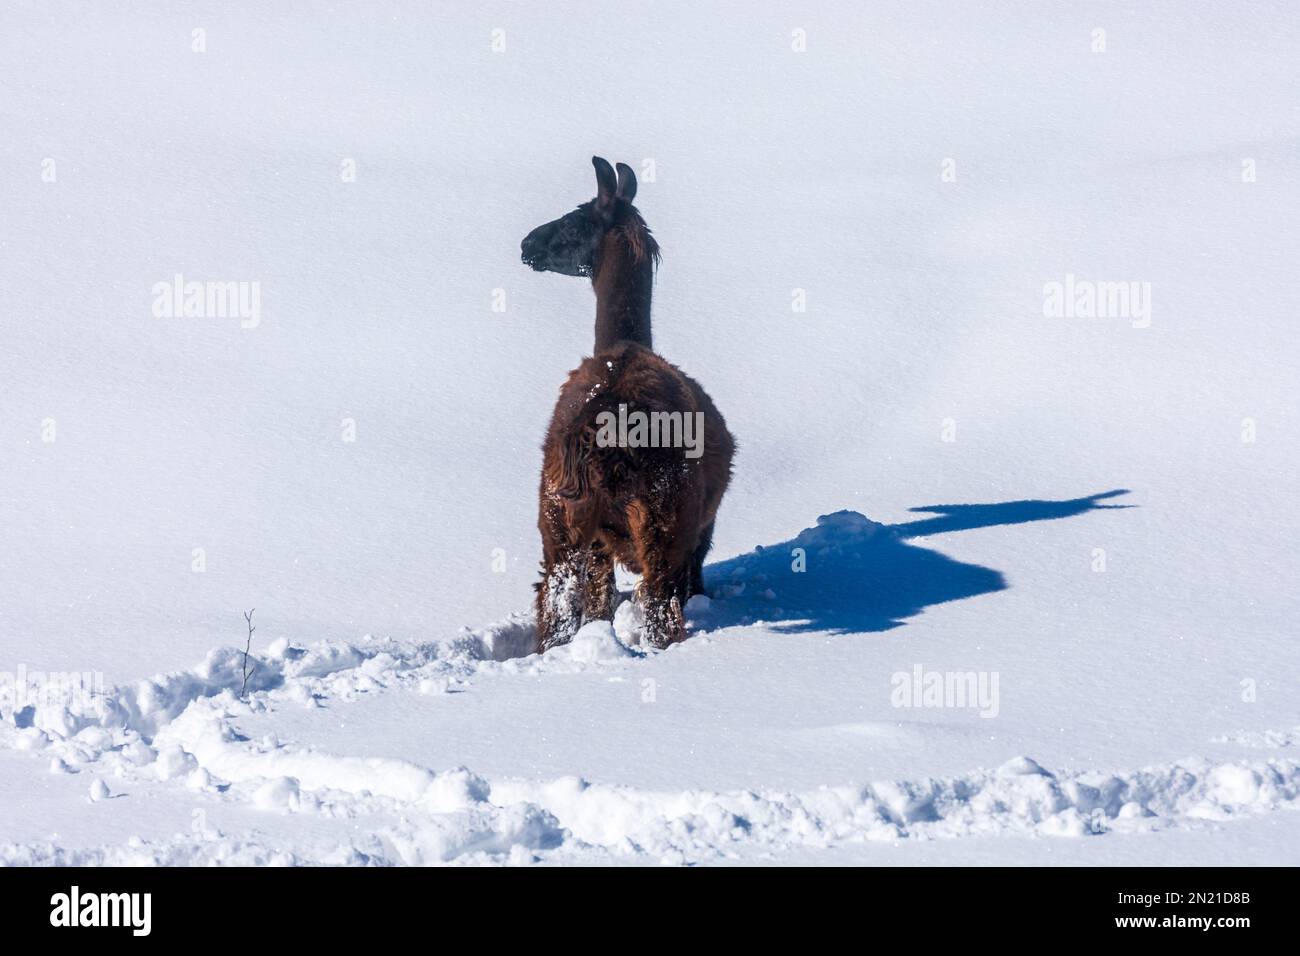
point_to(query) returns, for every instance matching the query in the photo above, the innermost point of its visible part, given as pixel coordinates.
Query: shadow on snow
(864, 576)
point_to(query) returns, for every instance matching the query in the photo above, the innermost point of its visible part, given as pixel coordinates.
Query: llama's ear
(626, 182)
(606, 184)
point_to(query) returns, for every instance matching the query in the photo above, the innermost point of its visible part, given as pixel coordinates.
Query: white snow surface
(1086, 526)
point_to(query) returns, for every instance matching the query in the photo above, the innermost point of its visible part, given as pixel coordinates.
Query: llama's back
(608, 388)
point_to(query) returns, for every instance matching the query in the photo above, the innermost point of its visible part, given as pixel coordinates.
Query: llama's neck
(623, 286)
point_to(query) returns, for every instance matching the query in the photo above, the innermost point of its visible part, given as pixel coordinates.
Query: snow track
(182, 730)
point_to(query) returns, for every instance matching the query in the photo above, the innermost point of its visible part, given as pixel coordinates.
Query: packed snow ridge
(180, 730)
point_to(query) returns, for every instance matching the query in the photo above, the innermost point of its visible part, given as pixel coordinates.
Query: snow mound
(595, 641)
(181, 731)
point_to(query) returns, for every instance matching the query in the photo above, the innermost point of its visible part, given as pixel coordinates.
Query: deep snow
(1090, 515)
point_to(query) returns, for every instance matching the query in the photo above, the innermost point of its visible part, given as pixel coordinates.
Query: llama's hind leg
(665, 589)
(560, 597)
(560, 593)
(666, 576)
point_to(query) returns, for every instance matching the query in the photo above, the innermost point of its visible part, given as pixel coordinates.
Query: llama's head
(571, 245)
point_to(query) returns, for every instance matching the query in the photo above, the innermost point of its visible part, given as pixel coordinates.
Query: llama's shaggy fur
(650, 509)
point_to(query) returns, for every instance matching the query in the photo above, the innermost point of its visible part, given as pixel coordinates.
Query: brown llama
(609, 493)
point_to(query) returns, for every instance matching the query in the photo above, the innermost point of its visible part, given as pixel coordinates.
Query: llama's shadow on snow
(858, 575)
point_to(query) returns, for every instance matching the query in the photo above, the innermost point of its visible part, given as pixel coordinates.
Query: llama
(648, 506)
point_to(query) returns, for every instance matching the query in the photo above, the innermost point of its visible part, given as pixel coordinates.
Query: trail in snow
(182, 731)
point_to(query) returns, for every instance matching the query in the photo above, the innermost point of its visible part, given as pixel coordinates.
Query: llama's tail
(572, 480)
(584, 465)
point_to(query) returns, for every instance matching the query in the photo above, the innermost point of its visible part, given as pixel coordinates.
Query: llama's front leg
(600, 592)
(697, 560)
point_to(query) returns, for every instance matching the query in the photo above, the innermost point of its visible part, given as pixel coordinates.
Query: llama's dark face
(569, 245)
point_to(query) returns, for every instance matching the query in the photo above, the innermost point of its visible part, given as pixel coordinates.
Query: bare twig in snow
(248, 672)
